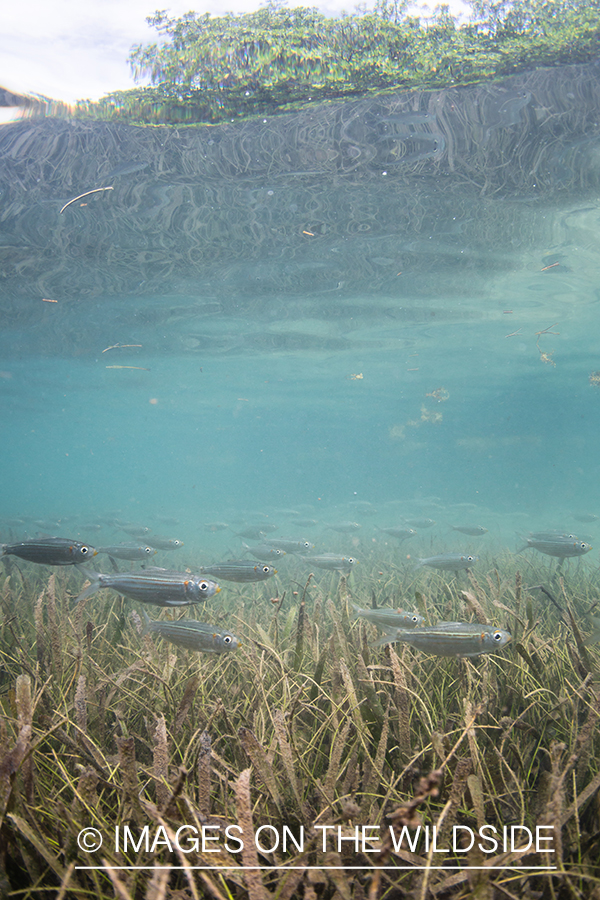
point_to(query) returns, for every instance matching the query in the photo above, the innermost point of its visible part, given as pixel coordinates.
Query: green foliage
(210, 69)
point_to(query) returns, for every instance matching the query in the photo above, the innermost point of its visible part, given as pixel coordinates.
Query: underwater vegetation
(305, 727)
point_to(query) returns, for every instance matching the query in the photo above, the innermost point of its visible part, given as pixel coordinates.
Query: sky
(77, 49)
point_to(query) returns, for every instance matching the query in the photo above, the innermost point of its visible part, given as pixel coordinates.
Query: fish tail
(522, 537)
(94, 577)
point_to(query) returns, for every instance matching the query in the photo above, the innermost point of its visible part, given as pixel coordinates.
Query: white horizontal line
(454, 869)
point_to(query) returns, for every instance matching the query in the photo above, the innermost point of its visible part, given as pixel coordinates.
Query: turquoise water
(312, 333)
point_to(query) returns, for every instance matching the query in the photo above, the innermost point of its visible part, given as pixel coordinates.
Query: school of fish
(171, 588)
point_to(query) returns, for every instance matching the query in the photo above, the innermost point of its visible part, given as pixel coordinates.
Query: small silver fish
(158, 587)
(136, 530)
(399, 531)
(193, 635)
(53, 551)
(256, 532)
(472, 530)
(344, 527)
(128, 550)
(449, 562)
(560, 547)
(128, 168)
(585, 517)
(420, 523)
(450, 638)
(290, 546)
(332, 562)
(166, 543)
(264, 552)
(389, 618)
(216, 526)
(363, 507)
(243, 571)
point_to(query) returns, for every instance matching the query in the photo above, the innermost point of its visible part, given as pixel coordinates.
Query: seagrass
(396, 740)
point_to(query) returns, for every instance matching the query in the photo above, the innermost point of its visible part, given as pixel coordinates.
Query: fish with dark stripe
(158, 587)
(54, 551)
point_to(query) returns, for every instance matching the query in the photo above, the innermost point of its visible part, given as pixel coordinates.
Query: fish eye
(147, 549)
(203, 585)
(497, 636)
(176, 543)
(351, 560)
(227, 639)
(307, 545)
(470, 558)
(266, 570)
(584, 546)
(414, 619)
(84, 550)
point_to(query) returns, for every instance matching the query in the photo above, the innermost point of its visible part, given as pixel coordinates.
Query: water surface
(388, 300)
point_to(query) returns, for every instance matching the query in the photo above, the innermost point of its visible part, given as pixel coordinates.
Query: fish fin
(94, 577)
(147, 622)
(113, 563)
(388, 638)
(522, 537)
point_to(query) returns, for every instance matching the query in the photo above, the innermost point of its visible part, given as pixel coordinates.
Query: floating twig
(86, 194)
(116, 346)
